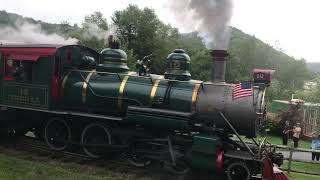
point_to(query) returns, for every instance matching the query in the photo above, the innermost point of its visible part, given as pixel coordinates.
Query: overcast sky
(291, 25)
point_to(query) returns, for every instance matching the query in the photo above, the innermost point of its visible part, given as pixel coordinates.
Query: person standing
(315, 145)
(285, 133)
(296, 135)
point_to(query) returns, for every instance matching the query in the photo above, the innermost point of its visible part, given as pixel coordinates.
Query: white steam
(31, 34)
(210, 18)
(92, 30)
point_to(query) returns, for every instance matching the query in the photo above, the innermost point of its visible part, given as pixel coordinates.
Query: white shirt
(296, 132)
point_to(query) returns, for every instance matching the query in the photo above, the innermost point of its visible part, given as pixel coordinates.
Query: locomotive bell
(177, 66)
(113, 60)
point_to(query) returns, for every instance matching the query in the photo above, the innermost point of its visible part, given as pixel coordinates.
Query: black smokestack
(219, 61)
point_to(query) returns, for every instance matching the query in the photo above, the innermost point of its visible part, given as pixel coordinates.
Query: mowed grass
(20, 169)
(304, 167)
(298, 176)
(278, 141)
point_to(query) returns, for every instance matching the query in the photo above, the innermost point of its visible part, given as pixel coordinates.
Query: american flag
(242, 90)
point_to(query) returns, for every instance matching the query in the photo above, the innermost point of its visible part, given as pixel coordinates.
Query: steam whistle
(142, 65)
(113, 43)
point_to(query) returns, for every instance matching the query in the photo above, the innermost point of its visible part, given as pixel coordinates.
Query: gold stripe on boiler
(194, 97)
(121, 90)
(154, 91)
(85, 87)
(64, 82)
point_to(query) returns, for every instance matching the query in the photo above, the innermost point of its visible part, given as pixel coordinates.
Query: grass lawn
(20, 169)
(304, 167)
(298, 176)
(278, 141)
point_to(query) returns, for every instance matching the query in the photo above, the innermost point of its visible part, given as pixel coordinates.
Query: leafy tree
(93, 32)
(141, 31)
(137, 29)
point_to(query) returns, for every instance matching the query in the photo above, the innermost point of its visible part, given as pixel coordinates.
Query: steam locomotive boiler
(73, 96)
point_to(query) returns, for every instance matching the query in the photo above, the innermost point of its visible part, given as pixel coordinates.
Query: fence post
(290, 159)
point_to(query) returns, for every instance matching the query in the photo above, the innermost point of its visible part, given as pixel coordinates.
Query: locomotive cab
(31, 74)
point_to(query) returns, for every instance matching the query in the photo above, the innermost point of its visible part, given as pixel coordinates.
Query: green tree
(93, 32)
(141, 31)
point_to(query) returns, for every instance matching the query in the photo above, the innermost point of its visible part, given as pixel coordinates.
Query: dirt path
(304, 156)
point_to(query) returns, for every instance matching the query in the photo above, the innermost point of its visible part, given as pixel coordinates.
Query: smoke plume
(210, 18)
(31, 33)
(92, 30)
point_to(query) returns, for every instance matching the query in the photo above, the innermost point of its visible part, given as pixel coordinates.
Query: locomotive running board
(74, 113)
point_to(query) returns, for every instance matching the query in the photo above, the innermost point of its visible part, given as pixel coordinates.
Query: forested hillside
(13, 20)
(314, 67)
(141, 33)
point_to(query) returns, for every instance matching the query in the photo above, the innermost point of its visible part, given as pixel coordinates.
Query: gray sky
(290, 25)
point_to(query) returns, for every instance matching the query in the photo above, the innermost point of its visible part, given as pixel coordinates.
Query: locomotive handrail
(236, 133)
(160, 111)
(131, 75)
(261, 144)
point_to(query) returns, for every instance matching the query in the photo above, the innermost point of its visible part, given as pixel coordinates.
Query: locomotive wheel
(95, 134)
(57, 133)
(181, 167)
(138, 161)
(238, 171)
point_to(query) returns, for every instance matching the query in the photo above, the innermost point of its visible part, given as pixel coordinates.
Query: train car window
(18, 70)
(27, 70)
(9, 69)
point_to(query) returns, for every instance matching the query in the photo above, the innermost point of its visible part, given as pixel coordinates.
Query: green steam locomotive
(73, 96)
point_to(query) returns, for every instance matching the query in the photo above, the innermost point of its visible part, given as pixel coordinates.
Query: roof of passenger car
(33, 51)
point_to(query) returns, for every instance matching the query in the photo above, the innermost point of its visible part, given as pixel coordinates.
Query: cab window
(18, 70)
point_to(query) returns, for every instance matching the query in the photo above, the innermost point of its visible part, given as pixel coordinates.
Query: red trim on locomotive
(55, 86)
(220, 156)
(24, 57)
(22, 51)
(263, 70)
(267, 168)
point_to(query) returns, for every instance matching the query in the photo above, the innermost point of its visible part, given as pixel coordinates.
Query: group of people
(315, 143)
(296, 131)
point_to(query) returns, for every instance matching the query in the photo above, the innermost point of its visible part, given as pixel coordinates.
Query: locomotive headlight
(262, 76)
